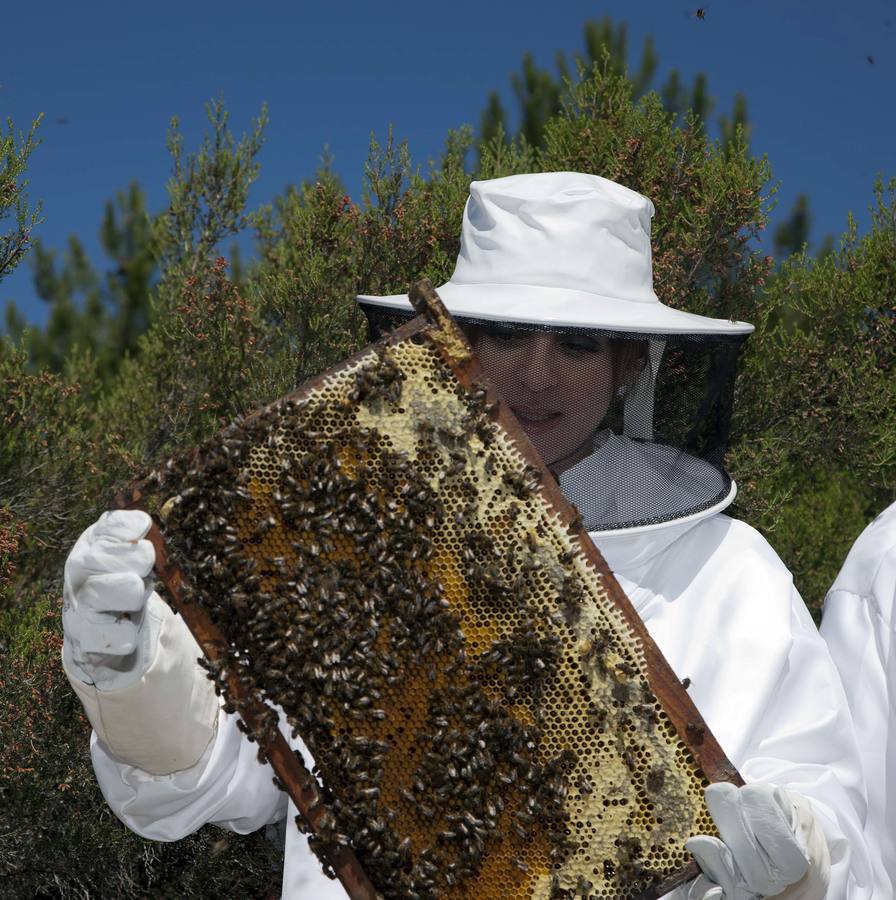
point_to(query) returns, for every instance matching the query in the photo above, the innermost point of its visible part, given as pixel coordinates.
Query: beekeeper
(858, 621)
(629, 402)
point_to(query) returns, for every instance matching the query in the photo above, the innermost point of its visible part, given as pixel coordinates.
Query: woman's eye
(580, 347)
(505, 337)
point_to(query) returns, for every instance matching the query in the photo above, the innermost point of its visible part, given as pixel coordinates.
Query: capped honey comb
(386, 560)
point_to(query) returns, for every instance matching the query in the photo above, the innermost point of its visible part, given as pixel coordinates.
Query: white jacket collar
(628, 550)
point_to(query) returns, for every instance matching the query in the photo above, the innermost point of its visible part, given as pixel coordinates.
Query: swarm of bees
(388, 573)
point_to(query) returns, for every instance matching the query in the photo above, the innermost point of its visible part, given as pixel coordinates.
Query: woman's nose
(538, 369)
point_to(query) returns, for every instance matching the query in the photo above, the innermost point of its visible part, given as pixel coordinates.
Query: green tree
(90, 313)
(208, 190)
(730, 127)
(817, 458)
(792, 235)
(14, 154)
(541, 93)
(66, 440)
(103, 315)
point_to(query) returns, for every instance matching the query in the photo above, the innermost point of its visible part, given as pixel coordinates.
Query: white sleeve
(164, 720)
(790, 726)
(858, 622)
(227, 786)
(167, 758)
(725, 614)
(806, 742)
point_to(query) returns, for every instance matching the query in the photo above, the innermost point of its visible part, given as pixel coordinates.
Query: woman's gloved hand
(771, 845)
(109, 639)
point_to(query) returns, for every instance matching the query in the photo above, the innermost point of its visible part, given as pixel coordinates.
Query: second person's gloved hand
(770, 843)
(109, 639)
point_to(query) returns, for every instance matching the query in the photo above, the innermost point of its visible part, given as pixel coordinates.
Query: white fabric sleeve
(858, 626)
(801, 737)
(805, 741)
(725, 614)
(162, 722)
(303, 878)
(228, 786)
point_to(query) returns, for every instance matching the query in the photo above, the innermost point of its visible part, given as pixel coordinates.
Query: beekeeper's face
(558, 386)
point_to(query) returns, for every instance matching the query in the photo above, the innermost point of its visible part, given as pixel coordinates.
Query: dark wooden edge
(682, 712)
(296, 779)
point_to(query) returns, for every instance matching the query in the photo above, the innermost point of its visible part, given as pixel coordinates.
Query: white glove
(109, 639)
(771, 845)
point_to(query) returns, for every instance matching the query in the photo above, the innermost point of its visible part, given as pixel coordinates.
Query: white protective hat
(560, 249)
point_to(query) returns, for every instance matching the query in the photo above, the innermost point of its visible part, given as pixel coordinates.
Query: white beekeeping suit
(858, 621)
(628, 402)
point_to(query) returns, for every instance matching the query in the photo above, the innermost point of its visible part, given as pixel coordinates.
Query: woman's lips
(535, 421)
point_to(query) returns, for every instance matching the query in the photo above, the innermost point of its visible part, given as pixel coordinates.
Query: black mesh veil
(633, 425)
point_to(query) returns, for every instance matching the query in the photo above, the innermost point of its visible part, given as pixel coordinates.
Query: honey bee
(655, 780)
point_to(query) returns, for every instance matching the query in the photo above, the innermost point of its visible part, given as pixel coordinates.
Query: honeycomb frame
(547, 750)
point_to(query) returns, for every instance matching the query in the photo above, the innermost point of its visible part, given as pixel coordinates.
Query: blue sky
(108, 78)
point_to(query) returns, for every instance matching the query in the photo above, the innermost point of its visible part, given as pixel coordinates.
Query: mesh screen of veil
(634, 425)
(383, 557)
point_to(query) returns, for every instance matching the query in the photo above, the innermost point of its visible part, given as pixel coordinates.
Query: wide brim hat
(561, 249)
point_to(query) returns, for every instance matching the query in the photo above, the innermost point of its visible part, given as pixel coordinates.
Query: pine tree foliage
(816, 443)
(208, 190)
(792, 235)
(102, 316)
(14, 154)
(541, 93)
